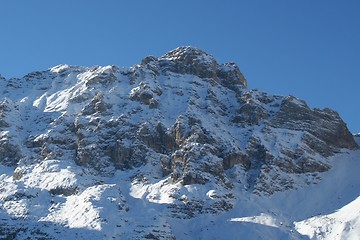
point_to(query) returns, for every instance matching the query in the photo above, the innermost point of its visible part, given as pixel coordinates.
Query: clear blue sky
(309, 49)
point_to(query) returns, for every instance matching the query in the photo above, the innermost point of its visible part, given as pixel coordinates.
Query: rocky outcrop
(194, 61)
(325, 125)
(189, 60)
(9, 153)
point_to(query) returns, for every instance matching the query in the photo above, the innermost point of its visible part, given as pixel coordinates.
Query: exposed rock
(235, 157)
(63, 191)
(9, 153)
(158, 138)
(230, 75)
(96, 105)
(190, 60)
(325, 125)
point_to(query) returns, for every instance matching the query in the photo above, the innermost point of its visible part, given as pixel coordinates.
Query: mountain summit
(140, 152)
(190, 60)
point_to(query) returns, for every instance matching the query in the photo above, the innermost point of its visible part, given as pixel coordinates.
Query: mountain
(176, 147)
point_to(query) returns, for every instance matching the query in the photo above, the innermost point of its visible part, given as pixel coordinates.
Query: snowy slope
(328, 210)
(114, 207)
(173, 148)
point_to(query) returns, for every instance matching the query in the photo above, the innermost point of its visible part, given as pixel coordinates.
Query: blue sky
(309, 49)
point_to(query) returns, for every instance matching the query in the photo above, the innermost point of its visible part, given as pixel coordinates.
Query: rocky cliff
(155, 131)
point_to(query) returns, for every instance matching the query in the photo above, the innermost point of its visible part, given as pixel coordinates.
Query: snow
(67, 201)
(342, 224)
(79, 211)
(51, 174)
(262, 219)
(327, 210)
(180, 51)
(335, 200)
(59, 68)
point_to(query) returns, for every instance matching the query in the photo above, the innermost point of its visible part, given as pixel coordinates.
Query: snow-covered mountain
(175, 147)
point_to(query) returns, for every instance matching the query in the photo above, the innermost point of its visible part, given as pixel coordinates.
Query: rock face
(181, 119)
(193, 61)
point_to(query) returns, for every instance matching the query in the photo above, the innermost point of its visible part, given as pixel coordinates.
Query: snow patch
(263, 219)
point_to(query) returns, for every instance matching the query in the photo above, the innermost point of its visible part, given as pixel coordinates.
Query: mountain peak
(59, 68)
(189, 54)
(192, 60)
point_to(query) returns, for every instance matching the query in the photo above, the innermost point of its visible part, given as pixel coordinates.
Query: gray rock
(10, 153)
(191, 60)
(325, 125)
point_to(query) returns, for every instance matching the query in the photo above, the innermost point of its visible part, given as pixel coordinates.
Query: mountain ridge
(180, 130)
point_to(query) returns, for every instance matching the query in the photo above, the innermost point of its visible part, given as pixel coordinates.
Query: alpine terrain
(176, 147)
